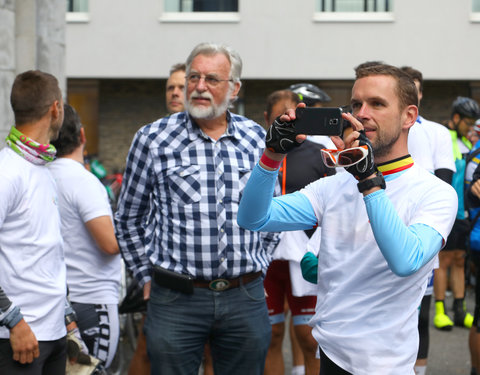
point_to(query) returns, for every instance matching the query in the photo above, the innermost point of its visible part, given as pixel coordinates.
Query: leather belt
(219, 285)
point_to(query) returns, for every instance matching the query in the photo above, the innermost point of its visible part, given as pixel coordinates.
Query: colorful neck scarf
(34, 152)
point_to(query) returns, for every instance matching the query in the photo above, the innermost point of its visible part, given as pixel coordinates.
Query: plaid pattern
(179, 200)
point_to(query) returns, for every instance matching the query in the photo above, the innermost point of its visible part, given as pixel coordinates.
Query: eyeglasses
(344, 158)
(210, 80)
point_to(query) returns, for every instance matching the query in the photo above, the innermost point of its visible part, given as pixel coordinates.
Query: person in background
(33, 275)
(472, 201)
(176, 226)
(175, 89)
(313, 96)
(474, 135)
(91, 249)
(303, 165)
(426, 144)
(465, 111)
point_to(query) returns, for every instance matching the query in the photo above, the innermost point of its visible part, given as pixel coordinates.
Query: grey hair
(210, 49)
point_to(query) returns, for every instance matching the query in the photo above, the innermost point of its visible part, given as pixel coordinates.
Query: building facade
(119, 54)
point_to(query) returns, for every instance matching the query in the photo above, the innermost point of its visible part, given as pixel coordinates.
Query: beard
(211, 112)
(384, 142)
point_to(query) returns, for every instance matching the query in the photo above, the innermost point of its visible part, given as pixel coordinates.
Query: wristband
(275, 164)
(371, 183)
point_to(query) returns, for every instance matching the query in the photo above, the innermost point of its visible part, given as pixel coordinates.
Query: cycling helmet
(466, 107)
(309, 94)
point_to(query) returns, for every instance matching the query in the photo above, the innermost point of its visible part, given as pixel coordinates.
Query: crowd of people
(228, 227)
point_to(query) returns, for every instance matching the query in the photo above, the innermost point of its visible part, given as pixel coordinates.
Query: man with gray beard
(177, 226)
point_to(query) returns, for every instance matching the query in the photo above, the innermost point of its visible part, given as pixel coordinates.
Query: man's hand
(24, 343)
(146, 290)
(281, 136)
(77, 351)
(476, 189)
(366, 168)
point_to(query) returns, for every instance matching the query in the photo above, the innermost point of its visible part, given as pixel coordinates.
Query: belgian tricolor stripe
(396, 165)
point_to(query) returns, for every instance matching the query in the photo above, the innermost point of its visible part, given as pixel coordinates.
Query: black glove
(281, 136)
(367, 166)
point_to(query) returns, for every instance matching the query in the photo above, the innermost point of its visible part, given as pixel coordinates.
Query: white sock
(298, 370)
(420, 370)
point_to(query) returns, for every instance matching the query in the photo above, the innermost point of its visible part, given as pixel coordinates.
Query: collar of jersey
(395, 168)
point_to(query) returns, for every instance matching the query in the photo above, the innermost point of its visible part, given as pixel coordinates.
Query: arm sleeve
(445, 175)
(259, 211)
(309, 267)
(406, 249)
(133, 208)
(10, 314)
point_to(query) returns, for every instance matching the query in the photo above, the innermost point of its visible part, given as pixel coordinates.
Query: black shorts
(457, 239)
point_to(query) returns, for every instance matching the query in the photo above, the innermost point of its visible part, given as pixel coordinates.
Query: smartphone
(318, 121)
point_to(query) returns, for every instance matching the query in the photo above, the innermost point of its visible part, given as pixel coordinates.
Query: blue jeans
(234, 321)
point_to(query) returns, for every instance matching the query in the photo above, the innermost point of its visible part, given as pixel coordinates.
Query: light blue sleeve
(259, 211)
(406, 249)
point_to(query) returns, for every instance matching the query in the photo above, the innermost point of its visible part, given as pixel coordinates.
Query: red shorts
(278, 287)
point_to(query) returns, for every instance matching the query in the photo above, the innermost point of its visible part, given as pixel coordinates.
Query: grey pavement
(448, 354)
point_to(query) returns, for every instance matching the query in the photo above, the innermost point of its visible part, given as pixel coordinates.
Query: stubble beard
(382, 146)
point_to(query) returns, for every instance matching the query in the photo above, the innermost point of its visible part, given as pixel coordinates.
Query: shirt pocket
(240, 180)
(184, 184)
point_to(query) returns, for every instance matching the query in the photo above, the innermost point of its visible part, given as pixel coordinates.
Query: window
(355, 5)
(201, 5)
(475, 6)
(200, 11)
(77, 11)
(354, 11)
(77, 6)
(475, 15)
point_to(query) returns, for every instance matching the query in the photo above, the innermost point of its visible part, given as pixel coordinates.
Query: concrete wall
(7, 64)
(277, 39)
(32, 36)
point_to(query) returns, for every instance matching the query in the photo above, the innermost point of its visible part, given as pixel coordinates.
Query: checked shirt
(179, 200)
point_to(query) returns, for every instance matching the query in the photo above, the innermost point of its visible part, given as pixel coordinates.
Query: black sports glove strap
(367, 166)
(281, 136)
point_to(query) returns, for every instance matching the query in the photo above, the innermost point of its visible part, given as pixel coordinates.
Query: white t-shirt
(366, 316)
(440, 138)
(420, 148)
(31, 248)
(92, 275)
(292, 247)
(428, 143)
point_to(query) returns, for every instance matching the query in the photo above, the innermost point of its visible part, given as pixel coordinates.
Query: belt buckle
(219, 285)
